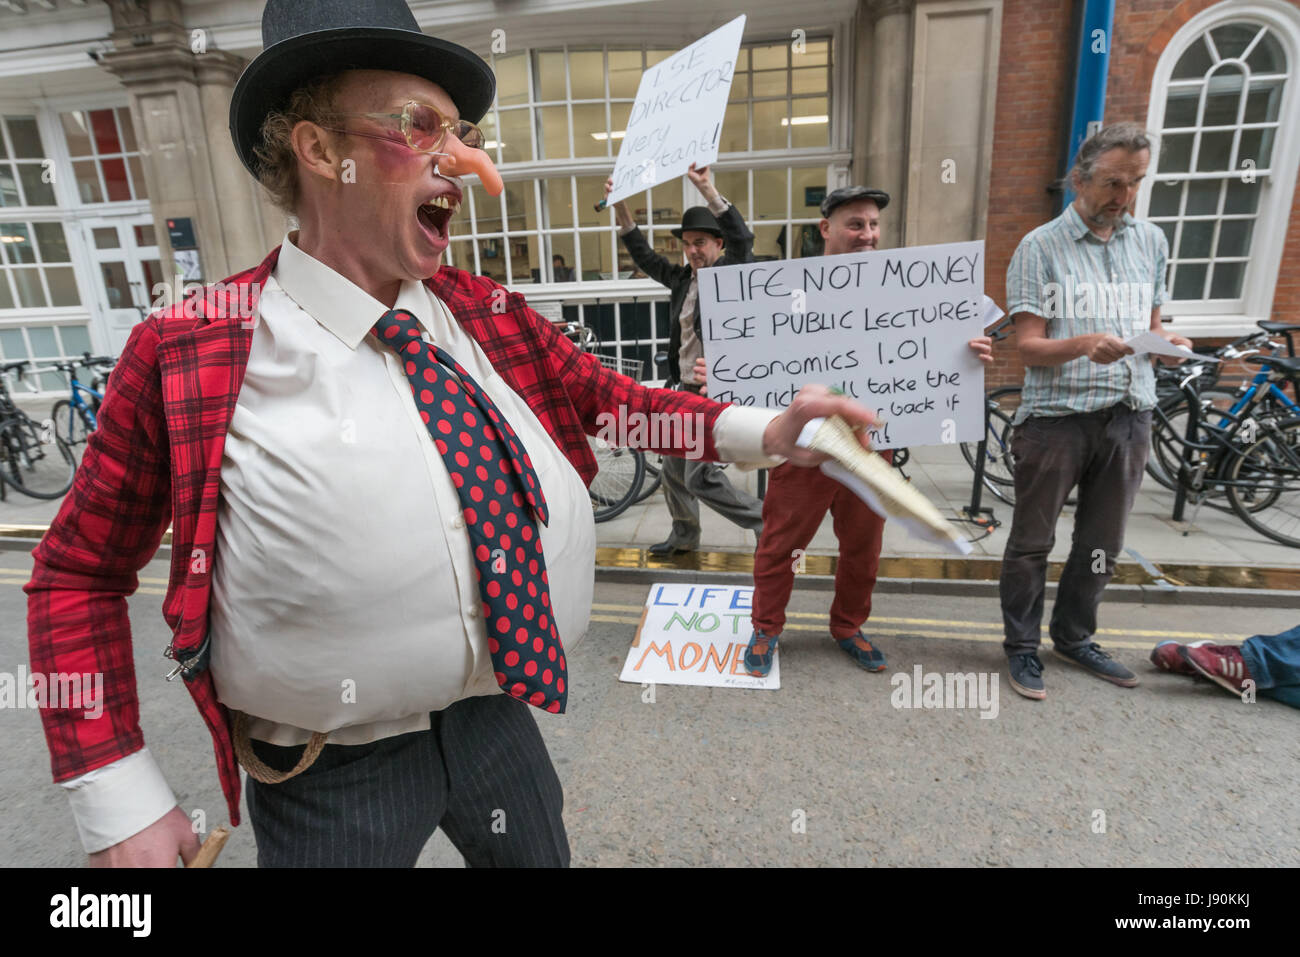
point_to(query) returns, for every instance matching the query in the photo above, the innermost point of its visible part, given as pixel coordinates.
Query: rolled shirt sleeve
(118, 800)
(1027, 278)
(738, 434)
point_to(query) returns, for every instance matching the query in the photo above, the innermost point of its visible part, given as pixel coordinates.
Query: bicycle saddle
(1269, 326)
(1286, 364)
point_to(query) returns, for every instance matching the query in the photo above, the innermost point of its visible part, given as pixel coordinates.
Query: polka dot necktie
(502, 501)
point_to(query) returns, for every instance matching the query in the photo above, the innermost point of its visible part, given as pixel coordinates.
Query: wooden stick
(207, 855)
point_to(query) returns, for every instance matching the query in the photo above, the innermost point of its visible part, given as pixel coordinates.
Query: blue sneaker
(870, 657)
(757, 664)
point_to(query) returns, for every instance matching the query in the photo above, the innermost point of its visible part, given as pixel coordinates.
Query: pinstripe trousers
(481, 773)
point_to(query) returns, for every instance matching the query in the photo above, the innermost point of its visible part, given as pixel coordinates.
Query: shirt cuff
(720, 205)
(118, 800)
(738, 434)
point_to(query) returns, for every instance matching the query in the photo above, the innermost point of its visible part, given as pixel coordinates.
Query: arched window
(1224, 105)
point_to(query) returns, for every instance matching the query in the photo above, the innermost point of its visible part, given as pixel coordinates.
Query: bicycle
(33, 459)
(1251, 454)
(75, 417)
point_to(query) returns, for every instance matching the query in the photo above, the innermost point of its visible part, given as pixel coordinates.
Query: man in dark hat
(374, 470)
(715, 235)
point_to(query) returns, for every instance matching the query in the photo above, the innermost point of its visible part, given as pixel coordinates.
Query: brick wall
(1035, 76)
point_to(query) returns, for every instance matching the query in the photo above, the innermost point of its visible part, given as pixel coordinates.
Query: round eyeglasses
(423, 126)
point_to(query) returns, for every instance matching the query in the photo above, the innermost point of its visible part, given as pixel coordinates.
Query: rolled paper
(878, 483)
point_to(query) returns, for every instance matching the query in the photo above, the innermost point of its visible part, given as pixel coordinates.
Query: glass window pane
(739, 88)
(1181, 106)
(807, 184)
(624, 72)
(735, 129)
(595, 257)
(1267, 57)
(1203, 197)
(8, 186)
(1189, 281)
(769, 194)
(589, 119)
(516, 138)
(25, 137)
(106, 237)
(1195, 241)
(1256, 145)
(771, 83)
(153, 273)
(765, 240)
(590, 191)
(769, 134)
(76, 133)
(17, 241)
(13, 344)
(810, 124)
(52, 243)
(554, 132)
(63, 286)
(139, 187)
(654, 56)
(559, 202)
(116, 287)
(512, 78)
(6, 296)
(1231, 39)
(145, 236)
(43, 341)
(742, 59)
(119, 190)
(618, 117)
(1234, 237)
(31, 294)
(75, 339)
(810, 80)
(128, 129)
(1168, 229)
(1263, 102)
(461, 255)
(487, 209)
(87, 176)
(1194, 63)
(491, 258)
(734, 185)
(37, 191)
(1242, 197)
(1165, 198)
(1215, 152)
(1176, 153)
(105, 131)
(770, 56)
(587, 74)
(562, 246)
(4, 150)
(550, 76)
(1223, 98)
(1227, 280)
(816, 52)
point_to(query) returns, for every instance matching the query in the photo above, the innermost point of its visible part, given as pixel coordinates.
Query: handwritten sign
(677, 117)
(695, 635)
(889, 328)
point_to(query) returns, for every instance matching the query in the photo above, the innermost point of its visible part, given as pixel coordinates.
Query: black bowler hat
(852, 194)
(306, 39)
(699, 218)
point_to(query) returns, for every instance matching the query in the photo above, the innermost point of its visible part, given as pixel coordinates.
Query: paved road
(1185, 774)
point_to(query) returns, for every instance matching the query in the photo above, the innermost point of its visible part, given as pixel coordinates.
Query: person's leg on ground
(708, 484)
(859, 531)
(685, 511)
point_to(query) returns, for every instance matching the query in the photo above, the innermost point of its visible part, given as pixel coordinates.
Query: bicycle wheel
(1265, 492)
(618, 481)
(999, 467)
(71, 424)
(1169, 429)
(653, 475)
(35, 463)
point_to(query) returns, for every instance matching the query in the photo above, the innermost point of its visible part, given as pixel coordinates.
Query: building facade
(117, 174)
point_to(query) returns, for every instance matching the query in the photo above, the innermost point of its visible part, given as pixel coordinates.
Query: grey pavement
(1184, 773)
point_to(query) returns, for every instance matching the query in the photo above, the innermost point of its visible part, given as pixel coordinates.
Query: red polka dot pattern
(454, 407)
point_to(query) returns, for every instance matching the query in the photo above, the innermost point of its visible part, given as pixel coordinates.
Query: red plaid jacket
(156, 458)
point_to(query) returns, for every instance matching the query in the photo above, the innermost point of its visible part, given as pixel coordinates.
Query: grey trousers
(1103, 453)
(481, 773)
(687, 483)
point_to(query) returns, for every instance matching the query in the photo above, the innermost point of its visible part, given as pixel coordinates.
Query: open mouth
(435, 215)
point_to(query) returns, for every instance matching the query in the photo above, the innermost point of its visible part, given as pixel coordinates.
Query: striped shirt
(1081, 285)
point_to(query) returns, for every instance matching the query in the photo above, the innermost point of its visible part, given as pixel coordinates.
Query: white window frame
(1207, 319)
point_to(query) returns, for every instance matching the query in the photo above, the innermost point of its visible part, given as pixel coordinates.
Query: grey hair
(1128, 136)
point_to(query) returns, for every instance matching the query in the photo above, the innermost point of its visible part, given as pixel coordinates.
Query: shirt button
(458, 521)
(472, 612)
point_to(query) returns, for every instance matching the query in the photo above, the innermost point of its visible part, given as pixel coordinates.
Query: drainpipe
(1092, 62)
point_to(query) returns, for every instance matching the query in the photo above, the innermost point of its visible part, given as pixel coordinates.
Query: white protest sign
(890, 328)
(677, 117)
(695, 635)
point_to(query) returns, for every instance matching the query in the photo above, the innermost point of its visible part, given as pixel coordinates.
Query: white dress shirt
(344, 598)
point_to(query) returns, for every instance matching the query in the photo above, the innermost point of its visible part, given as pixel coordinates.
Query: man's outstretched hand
(158, 845)
(813, 401)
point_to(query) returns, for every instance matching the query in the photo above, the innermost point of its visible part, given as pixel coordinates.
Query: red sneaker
(1168, 656)
(1222, 664)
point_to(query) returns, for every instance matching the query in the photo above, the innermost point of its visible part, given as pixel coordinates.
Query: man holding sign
(716, 236)
(798, 498)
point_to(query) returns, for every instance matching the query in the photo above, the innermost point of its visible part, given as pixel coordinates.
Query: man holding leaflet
(1085, 414)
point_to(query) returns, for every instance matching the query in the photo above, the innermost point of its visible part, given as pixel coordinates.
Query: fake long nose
(457, 159)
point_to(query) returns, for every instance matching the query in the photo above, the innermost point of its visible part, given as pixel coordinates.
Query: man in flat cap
(374, 469)
(713, 235)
